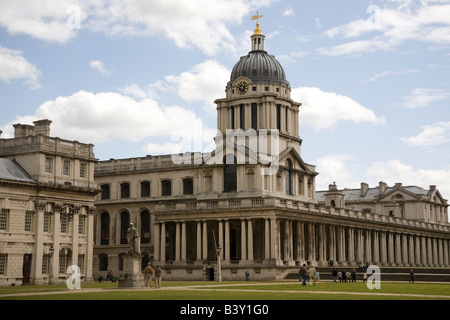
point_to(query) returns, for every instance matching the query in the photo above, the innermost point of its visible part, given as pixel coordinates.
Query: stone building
(47, 194)
(251, 204)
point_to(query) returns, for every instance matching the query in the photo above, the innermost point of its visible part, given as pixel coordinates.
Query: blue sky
(373, 77)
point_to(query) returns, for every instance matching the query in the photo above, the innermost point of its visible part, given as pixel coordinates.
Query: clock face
(242, 87)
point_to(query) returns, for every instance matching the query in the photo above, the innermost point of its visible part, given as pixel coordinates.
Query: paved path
(217, 288)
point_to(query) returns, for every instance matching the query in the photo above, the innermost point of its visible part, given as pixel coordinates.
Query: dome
(260, 67)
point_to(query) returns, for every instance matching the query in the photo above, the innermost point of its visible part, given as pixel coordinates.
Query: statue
(133, 240)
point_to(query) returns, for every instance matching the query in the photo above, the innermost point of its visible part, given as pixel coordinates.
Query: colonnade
(282, 241)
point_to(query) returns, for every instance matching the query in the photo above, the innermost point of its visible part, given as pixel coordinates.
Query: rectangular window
(81, 220)
(188, 186)
(242, 116)
(48, 165)
(83, 167)
(232, 118)
(66, 168)
(125, 190)
(45, 263)
(28, 220)
(3, 260)
(166, 188)
(4, 219)
(145, 189)
(46, 221)
(254, 116)
(105, 191)
(278, 117)
(63, 223)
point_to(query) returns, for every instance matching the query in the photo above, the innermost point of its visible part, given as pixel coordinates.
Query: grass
(233, 291)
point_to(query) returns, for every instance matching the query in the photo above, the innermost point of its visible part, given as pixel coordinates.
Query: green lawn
(233, 291)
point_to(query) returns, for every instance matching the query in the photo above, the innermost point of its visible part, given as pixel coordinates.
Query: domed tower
(258, 96)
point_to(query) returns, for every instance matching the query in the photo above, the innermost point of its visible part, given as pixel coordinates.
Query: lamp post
(51, 250)
(218, 262)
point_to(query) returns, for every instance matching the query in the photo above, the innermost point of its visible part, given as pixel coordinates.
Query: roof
(11, 170)
(372, 193)
(259, 66)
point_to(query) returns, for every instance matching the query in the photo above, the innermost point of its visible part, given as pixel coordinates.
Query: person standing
(312, 275)
(158, 276)
(334, 273)
(148, 275)
(302, 272)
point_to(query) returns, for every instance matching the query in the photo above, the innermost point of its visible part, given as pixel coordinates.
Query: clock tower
(258, 97)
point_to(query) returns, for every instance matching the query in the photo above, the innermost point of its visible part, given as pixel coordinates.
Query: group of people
(308, 274)
(149, 273)
(344, 275)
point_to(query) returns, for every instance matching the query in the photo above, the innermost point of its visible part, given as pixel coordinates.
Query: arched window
(230, 174)
(104, 228)
(288, 177)
(124, 225)
(145, 226)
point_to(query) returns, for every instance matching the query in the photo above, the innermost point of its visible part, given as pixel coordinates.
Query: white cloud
(289, 12)
(426, 21)
(98, 65)
(334, 168)
(14, 66)
(390, 73)
(204, 82)
(431, 135)
(421, 97)
(195, 23)
(394, 171)
(41, 19)
(322, 110)
(99, 117)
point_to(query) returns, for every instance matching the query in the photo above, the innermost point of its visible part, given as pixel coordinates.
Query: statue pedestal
(131, 276)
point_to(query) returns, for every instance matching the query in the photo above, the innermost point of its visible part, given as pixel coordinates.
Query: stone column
(205, 241)
(250, 241)
(199, 241)
(383, 248)
(177, 242)
(412, 260)
(274, 253)
(90, 243)
(243, 242)
(423, 247)
(440, 252)
(446, 256)
(351, 246)
(38, 248)
(405, 249)
(220, 240)
(267, 239)
(157, 245)
(391, 255)
(56, 242)
(359, 256)
(435, 253)
(376, 248)
(332, 245)
(398, 251)
(430, 253)
(163, 242)
(417, 253)
(183, 241)
(300, 243)
(368, 246)
(227, 241)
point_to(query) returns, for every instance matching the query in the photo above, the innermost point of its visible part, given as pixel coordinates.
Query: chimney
(383, 187)
(23, 130)
(42, 127)
(364, 189)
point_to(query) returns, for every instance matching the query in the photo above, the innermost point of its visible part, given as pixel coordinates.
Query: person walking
(303, 273)
(312, 275)
(158, 276)
(148, 275)
(411, 276)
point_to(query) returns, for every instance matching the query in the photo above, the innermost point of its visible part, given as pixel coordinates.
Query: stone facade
(251, 203)
(47, 194)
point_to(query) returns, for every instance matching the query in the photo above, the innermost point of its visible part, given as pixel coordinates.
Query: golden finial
(257, 30)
